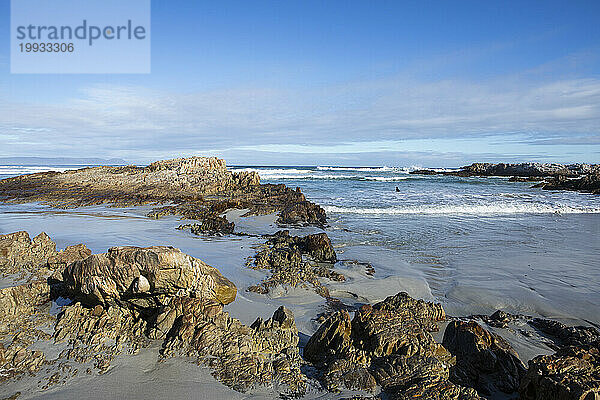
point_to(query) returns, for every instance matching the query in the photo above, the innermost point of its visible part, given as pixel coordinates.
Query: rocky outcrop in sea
(576, 177)
(198, 188)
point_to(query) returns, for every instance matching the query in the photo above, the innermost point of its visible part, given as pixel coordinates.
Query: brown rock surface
(283, 256)
(484, 360)
(103, 278)
(389, 344)
(572, 373)
(199, 187)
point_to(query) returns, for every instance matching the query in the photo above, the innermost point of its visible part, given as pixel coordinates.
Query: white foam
(19, 170)
(491, 209)
(360, 169)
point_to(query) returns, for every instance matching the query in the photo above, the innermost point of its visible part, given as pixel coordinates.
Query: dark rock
(318, 246)
(423, 172)
(564, 335)
(484, 360)
(572, 373)
(283, 256)
(302, 213)
(588, 183)
(388, 344)
(210, 225)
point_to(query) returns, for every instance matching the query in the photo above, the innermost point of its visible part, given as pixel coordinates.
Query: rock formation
(198, 187)
(577, 177)
(484, 360)
(572, 373)
(387, 344)
(283, 256)
(124, 299)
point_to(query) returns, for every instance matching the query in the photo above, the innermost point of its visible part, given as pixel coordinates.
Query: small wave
(495, 209)
(361, 169)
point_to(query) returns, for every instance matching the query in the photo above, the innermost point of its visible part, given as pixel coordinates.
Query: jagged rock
(211, 225)
(484, 360)
(572, 373)
(101, 278)
(588, 183)
(283, 256)
(564, 335)
(332, 338)
(240, 356)
(302, 213)
(319, 247)
(67, 256)
(389, 344)
(17, 359)
(20, 300)
(99, 335)
(18, 253)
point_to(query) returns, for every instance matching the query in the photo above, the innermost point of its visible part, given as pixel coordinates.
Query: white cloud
(138, 123)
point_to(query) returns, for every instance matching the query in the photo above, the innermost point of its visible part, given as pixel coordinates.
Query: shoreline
(307, 321)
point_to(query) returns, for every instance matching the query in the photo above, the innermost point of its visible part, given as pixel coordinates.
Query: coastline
(305, 300)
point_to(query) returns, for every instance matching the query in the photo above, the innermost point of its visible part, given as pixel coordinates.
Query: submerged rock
(484, 360)
(572, 373)
(387, 344)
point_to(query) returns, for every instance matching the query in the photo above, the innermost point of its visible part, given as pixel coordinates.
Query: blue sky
(432, 83)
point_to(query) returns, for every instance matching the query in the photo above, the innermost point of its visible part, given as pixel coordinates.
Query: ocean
(474, 244)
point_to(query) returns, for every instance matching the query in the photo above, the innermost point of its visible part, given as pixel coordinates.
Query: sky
(428, 83)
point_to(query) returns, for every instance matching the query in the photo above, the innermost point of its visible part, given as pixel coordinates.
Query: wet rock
(302, 213)
(210, 225)
(388, 344)
(563, 335)
(103, 278)
(484, 360)
(572, 373)
(588, 183)
(283, 256)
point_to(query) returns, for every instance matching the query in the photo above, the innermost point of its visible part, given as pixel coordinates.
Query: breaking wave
(490, 209)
